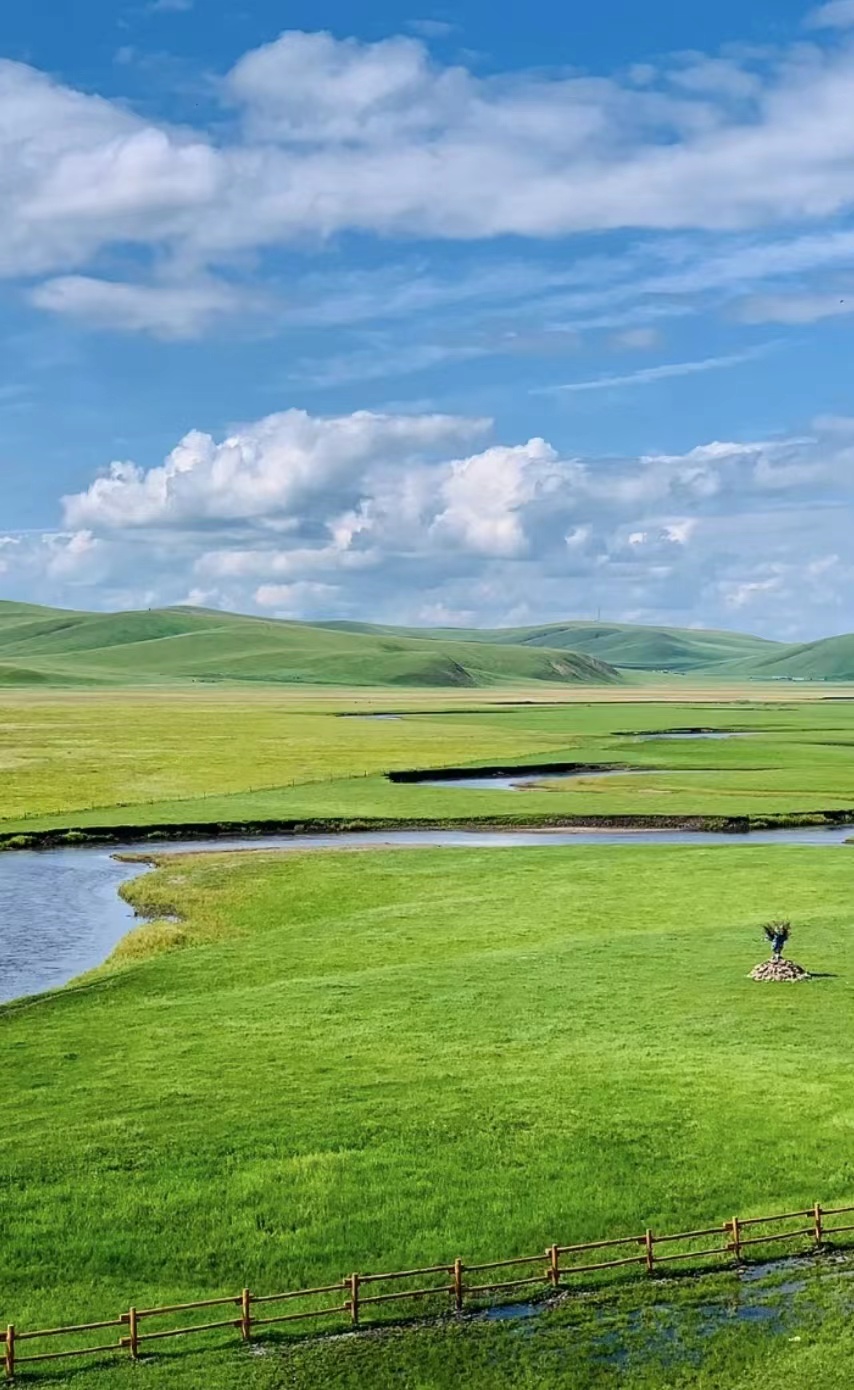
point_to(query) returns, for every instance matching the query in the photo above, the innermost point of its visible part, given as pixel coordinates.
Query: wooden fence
(452, 1283)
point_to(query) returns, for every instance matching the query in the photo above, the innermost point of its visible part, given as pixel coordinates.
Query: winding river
(60, 913)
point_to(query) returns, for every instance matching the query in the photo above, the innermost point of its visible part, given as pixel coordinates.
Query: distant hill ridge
(48, 646)
(41, 646)
(627, 645)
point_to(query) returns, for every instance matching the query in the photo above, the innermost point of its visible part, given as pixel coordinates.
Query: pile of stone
(779, 970)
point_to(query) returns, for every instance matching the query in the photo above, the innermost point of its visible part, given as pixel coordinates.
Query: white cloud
(680, 532)
(439, 151)
(642, 339)
(386, 518)
(648, 375)
(334, 135)
(838, 14)
(794, 308)
(315, 89)
(291, 600)
(78, 558)
(380, 360)
(294, 497)
(266, 470)
(485, 496)
(439, 615)
(742, 593)
(165, 310)
(83, 172)
(7, 550)
(271, 561)
(841, 425)
(432, 28)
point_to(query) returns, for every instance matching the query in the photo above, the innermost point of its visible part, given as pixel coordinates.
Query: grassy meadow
(381, 1060)
(310, 1063)
(142, 758)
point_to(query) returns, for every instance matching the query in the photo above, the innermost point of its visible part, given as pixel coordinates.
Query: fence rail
(552, 1271)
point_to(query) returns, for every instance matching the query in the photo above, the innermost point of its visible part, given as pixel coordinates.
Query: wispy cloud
(641, 339)
(647, 375)
(794, 308)
(167, 310)
(838, 14)
(432, 28)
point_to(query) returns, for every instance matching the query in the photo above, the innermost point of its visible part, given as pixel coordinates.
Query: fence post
(458, 1285)
(245, 1314)
(133, 1334)
(353, 1282)
(735, 1227)
(649, 1242)
(10, 1351)
(554, 1266)
(818, 1233)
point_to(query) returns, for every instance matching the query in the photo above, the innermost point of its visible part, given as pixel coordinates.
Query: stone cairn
(777, 969)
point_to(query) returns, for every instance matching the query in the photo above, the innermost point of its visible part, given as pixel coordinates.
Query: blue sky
(464, 314)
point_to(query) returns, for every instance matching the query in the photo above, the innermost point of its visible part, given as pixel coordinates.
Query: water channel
(519, 781)
(60, 913)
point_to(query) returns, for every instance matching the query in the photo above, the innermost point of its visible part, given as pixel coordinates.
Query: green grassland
(310, 1063)
(149, 758)
(134, 752)
(381, 1060)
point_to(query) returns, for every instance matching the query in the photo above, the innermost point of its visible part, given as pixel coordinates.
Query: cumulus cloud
(486, 496)
(386, 517)
(267, 470)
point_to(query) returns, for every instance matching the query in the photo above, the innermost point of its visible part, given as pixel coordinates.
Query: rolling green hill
(625, 645)
(831, 659)
(48, 646)
(44, 646)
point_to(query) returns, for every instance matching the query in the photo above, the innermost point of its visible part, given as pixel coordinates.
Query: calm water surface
(519, 781)
(60, 913)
